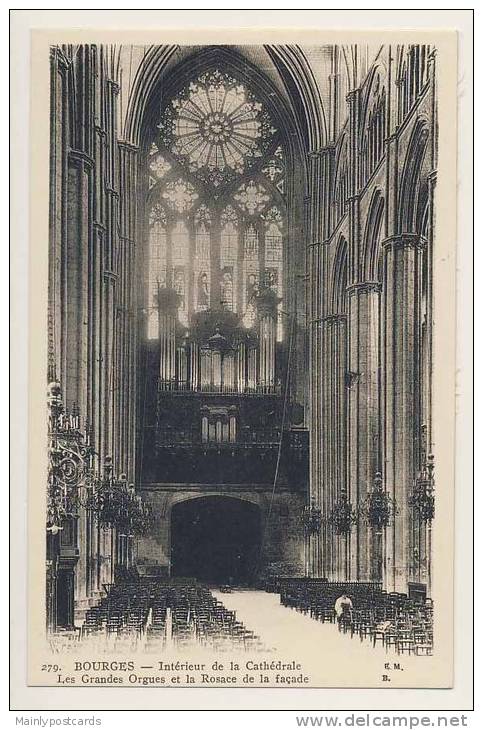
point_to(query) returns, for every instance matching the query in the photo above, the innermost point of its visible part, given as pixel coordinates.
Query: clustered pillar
(92, 307)
(369, 326)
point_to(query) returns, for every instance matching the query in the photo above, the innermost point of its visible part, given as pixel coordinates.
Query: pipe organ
(218, 354)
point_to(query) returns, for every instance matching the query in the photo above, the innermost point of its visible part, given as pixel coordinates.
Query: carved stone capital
(331, 319)
(405, 240)
(364, 287)
(81, 158)
(99, 228)
(321, 152)
(110, 276)
(111, 191)
(114, 85)
(57, 56)
(127, 239)
(352, 96)
(123, 144)
(100, 131)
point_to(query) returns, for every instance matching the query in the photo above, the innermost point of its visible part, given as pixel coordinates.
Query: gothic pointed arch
(341, 178)
(301, 107)
(339, 278)
(373, 121)
(373, 235)
(414, 182)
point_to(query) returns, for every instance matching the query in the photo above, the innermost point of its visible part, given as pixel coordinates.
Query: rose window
(217, 128)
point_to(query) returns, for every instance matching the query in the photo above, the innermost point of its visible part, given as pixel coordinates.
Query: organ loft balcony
(218, 407)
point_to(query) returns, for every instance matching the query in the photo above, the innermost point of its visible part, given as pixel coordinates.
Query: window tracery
(180, 195)
(159, 166)
(216, 249)
(216, 127)
(274, 170)
(252, 197)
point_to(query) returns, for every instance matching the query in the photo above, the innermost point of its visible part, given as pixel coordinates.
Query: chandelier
(116, 504)
(342, 516)
(312, 518)
(71, 475)
(70, 460)
(422, 497)
(378, 508)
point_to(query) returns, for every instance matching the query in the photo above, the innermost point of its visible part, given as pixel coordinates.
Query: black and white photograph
(247, 459)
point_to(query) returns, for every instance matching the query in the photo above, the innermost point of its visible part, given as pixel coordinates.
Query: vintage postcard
(242, 359)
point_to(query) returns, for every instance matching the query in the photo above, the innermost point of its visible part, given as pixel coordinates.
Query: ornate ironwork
(312, 518)
(422, 497)
(70, 458)
(117, 506)
(379, 507)
(72, 481)
(342, 516)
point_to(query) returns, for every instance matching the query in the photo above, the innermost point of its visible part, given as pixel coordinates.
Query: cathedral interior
(240, 316)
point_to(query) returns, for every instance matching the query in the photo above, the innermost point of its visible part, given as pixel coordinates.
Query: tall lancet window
(229, 258)
(251, 272)
(180, 241)
(274, 258)
(202, 261)
(157, 265)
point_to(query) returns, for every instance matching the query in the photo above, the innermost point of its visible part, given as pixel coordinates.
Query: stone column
(59, 133)
(315, 568)
(333, 338)
(321, 171)
(75, 300)
(354, 104)
(77, 310)
(401, 254)
(363, 411)
(128, 167)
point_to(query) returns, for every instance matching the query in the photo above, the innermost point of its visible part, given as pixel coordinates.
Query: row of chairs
(391, 619)
(156, 611)
(197, 613)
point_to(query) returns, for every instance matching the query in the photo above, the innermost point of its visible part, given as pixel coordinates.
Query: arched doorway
(216, 540)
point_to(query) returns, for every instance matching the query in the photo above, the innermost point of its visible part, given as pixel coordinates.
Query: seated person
(343, 608)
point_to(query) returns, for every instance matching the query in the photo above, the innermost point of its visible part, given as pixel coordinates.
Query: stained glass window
(159, 166)
(252, 197)
(274, 257)
(218, 169)
(228, 258)
(216, 127)
(157, 265)
(202, 263)
(274, 170)
(180, 256)
(180, 195)
(251, 270)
